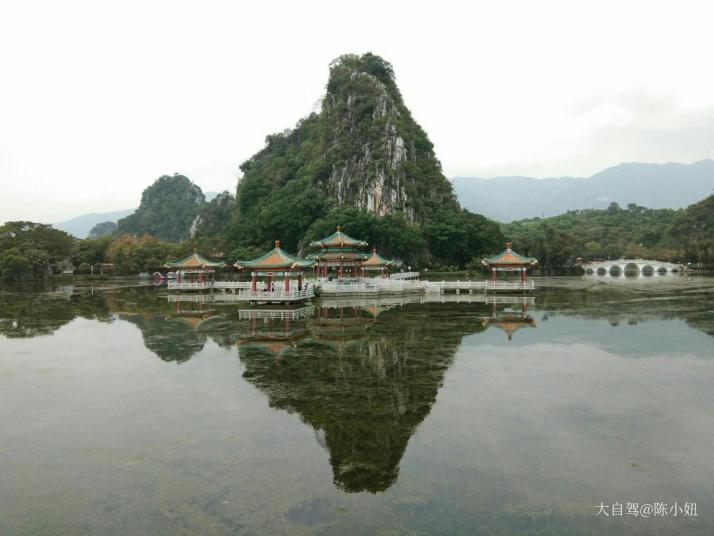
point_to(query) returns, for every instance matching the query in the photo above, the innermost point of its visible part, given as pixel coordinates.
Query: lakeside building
(338, 253)
(509, 261)
(276, 263)
(376, 262)
(194, 268)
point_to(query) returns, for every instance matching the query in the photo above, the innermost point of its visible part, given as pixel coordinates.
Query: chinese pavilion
(377, 262)
(194, 266)
(338, 252)
(275, 263)
(509, 261)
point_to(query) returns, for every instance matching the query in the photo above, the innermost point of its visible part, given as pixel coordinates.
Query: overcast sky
(98, 99)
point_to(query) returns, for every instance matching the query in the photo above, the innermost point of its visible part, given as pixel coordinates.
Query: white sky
(98, 99)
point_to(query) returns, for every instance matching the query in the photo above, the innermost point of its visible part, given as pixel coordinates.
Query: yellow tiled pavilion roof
(276, 259)
(376, 261)
(194, 261)
(509, 257)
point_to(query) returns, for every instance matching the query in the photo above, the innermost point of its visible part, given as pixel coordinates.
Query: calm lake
(132, 411)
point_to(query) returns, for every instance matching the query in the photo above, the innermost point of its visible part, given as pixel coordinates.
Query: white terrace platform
(241, 291)
(208, 285)
(379, 286)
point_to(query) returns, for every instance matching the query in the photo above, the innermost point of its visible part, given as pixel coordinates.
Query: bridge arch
(615, 270)
(601, 270)
(631, 268)
(648, 270)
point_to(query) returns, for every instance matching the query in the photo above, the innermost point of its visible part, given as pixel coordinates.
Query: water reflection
(365, 373)
(476, 414)
(363, 385)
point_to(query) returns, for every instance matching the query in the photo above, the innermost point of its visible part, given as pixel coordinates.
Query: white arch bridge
(620, 267)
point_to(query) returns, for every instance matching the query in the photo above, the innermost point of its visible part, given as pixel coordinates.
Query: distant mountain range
(651, 185)
(81, 225)
(507, 199)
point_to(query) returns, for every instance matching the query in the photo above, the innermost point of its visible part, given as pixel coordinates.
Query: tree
(29, 249)
(14, 265)
(593, 249)
(132, 254)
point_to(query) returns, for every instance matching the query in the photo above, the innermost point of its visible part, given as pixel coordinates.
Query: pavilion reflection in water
(510, 320)
(363, 385)
(363, 373)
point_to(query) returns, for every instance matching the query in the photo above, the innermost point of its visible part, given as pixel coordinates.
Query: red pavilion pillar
(287, 281)
(253, 282)
(493, 274)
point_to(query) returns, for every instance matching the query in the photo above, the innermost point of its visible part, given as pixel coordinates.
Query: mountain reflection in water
(459, 413)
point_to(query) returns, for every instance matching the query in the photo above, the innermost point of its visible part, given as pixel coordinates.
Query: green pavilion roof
(338, 239)
(337, 254)
(509, 257)
(276, 259)
(195, 260)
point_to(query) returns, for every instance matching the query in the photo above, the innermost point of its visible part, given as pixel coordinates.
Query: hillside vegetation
(685, 235)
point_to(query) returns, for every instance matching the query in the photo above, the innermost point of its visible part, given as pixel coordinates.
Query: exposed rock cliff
(363, 150)
(363, 163)
(380, 159)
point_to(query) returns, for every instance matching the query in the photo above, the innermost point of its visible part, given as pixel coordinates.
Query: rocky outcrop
(362, 150)
(372, 140)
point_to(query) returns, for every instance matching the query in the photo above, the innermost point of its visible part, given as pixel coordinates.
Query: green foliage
(168, 208)
(27, 249)
(215, 220)
(611, 233)
(15, 265)
(90, 251)
(693, 230)
(140, 254)
(457, 237)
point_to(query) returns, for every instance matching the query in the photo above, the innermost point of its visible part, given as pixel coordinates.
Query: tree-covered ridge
(693, 230)
(167, 211)
(685, 235)
(364, 163)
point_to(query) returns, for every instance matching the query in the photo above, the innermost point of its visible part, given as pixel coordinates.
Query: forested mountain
(652, 185)
(363, 157)
(167, 211)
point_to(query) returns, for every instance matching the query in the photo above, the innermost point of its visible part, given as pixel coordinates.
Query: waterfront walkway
(353, 287)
